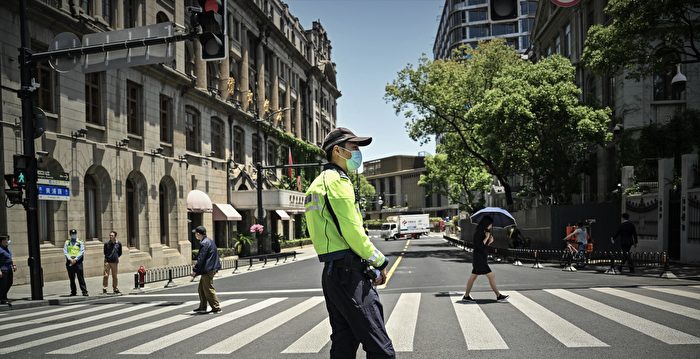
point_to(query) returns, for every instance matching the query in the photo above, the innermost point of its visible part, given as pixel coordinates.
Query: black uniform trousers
(355, 313)
(627, 256)
(5, 284)
(73, 270)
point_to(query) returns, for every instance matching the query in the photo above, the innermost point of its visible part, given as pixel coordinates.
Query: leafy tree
(367, 191)
(638, 29)
(456, 178)
(507, 115)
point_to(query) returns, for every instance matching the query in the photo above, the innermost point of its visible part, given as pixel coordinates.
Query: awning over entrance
(198, 202)
(283, 215)
(225, 212)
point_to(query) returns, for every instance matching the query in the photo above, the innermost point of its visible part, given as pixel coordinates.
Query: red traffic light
(211, 5)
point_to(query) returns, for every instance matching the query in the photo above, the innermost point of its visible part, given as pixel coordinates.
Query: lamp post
(259, 177)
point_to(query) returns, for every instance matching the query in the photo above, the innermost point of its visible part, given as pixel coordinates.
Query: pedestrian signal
(214, 37)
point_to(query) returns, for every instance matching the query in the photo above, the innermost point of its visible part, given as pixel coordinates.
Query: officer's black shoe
(116, 291)
(104, 290)
(85, 294)
(200, 310)
(73, 295)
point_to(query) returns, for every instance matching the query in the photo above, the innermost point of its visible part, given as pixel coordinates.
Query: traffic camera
(214, 38)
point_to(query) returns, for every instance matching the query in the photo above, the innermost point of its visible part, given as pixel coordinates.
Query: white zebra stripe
(235, 342)
(123, 334)
(678, 292)
(313, 341)
(644, 326)
(43, 312)
(93, 328)
(180, 335)
(559, 328)
(401, 326)
(52, 318)
(653, 302)
(479, 333)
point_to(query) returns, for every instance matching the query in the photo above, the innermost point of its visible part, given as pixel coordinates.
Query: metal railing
(169, 273)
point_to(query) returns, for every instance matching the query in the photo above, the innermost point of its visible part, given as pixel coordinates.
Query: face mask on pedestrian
(73, 236)
(355, 160)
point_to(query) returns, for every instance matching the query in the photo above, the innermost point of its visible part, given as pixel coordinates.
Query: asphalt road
(278, 312)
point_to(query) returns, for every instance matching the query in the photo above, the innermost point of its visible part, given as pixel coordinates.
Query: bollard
(611, 270)
(517, 262)
(537, 264)
(170, 280)
(667, 271)
(251, 263)
(235, 266)
(136, 281)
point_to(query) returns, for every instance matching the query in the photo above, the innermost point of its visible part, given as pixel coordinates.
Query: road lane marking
(401, 326)
(655, 330)
(678, 292)
(559, 328)
(248, 292)
(393, 267)
(53, 317)
(237, 341)
(74, 348)
(313, 341)
(181, 335)
(653, 302)
(94, 343)
(38, 313)
(479, 333)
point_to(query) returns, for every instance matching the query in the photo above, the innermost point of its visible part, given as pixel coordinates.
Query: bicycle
(574, 255)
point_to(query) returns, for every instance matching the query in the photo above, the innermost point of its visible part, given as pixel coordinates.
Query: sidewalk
(57, 292)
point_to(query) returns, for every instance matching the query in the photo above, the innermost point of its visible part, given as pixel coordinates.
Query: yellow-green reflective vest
(335, 186)
(74, 250)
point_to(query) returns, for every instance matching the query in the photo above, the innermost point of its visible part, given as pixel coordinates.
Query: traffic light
(21, 164)
(503, 9)
(214, 37)
(14, 192)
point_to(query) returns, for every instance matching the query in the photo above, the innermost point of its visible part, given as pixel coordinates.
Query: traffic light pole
(30, 204)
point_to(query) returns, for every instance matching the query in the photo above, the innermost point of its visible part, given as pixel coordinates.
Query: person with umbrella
(482, 238)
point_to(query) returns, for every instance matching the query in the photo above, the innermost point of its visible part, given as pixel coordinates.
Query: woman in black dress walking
(482, 238)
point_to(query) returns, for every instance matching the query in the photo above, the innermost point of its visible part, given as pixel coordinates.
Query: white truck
(406, 225)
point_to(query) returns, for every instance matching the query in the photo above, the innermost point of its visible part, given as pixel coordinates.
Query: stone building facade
(145, 146)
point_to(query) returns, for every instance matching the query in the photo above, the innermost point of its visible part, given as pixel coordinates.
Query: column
(97, 9)
(261, 78)
(690, 249)
(288, 113)
(200, 66)
(297, 116)
(119, 21)
(665, 178)
(245, 70)
(224, 74)
(274, 96)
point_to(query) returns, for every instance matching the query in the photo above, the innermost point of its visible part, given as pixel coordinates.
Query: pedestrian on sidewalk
(207, 266)
(480, 266)
(7, 268)
(74, 250)
(352, 264)
(112, 251)
(628, 238)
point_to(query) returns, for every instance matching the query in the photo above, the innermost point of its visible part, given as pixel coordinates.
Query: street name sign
(53, 193)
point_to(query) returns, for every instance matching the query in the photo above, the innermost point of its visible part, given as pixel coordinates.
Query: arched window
(163, 206)
(161, 17)
(663, 89)
(92, 210)
(218, 138)
(193, 129)
(132, 217)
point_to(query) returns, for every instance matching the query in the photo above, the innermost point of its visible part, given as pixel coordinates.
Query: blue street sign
(53, 193)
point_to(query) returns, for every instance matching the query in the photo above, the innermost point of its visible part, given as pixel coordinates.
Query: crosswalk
(299, 325)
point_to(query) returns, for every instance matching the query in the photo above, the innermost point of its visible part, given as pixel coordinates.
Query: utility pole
(25, 94)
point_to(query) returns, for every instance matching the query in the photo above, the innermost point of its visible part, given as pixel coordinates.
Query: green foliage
(226, 252)
(457, 178)
(499, 115)
(636, 30)
(195, 253)
(295, 243)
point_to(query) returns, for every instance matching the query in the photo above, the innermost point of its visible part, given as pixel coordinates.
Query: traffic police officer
(352, 265)
(74, 251)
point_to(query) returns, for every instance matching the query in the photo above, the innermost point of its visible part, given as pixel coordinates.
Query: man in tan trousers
(207, 266)
(112, 250)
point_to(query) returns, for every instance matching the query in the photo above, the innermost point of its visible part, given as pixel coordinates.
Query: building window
(44, 96)
(504, 28)
(272, 153)
(257, 155)
(107, 11)
(476, 2)
(92, 210)
(86, 6)
(663, 91)
(163, 209)
(93, 98)
(526, 24)
(213, 75)
(557, 44)
(166, 119)
(192, 130)
(478, 31)
(238, 145)
(567, 41)
(218, 137)
(130, 13)
(161, 17)
(134, 108)
(524, 42)
(478, 15)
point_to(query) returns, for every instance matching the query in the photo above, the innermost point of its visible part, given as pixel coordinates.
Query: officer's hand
(0, 274)
(382, 278)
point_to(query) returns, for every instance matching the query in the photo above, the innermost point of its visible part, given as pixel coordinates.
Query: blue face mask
(355, 160)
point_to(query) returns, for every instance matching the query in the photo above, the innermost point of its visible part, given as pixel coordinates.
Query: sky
(372, 40)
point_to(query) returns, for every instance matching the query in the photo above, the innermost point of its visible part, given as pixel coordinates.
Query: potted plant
(243, 245)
